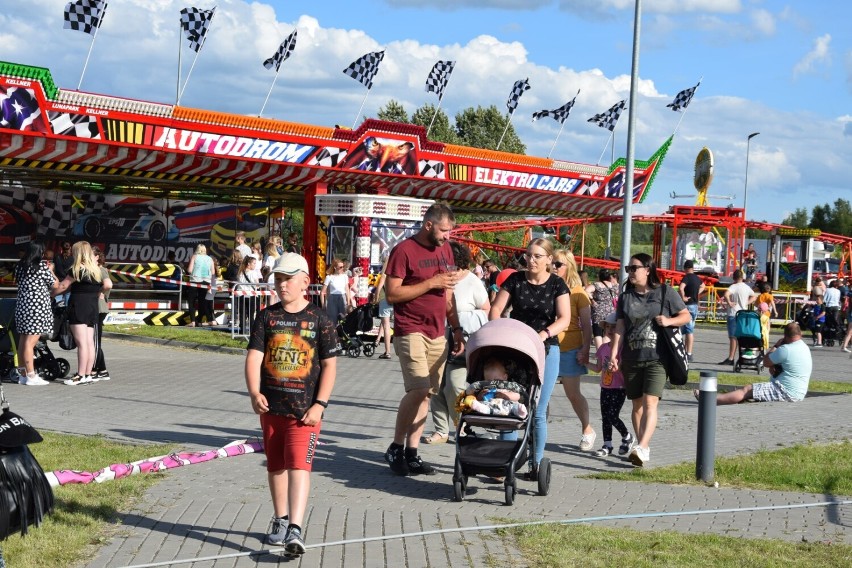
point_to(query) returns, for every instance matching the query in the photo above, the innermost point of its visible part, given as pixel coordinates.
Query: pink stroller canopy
(506, 333)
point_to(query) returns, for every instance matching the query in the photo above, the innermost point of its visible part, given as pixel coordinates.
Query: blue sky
(783, 69)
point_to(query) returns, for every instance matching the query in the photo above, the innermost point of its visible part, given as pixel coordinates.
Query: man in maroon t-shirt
(420, 277)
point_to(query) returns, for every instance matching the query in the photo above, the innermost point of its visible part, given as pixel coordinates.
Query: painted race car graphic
(137, 221)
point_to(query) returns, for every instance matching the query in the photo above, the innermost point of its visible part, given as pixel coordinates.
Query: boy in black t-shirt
(290, 371)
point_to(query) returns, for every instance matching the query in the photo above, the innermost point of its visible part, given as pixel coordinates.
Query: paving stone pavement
(362, 515)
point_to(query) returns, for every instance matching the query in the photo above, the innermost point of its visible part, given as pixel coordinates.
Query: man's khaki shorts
(422, 361)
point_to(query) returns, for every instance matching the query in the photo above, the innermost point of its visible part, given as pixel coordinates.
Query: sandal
(604, 451)
(436, 438)
(385, 356)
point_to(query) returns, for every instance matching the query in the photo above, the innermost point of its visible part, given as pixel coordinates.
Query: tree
(482, 128)
(798, 218)
(393, 112)
(442, 130)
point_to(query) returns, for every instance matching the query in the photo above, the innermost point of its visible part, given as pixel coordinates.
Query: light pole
(745, 190)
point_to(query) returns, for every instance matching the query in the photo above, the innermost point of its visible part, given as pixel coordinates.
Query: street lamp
(745, 192)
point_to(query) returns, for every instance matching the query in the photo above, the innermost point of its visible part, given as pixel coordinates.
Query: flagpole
(504, 131)
(195, 59)
(562, 125)
(91, 45)
(180, 45)
(440, 100)
(611, 136)
(360, 109)
(269, 93)
(686, 107)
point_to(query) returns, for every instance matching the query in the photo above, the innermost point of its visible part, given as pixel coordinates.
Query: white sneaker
(33, 380)
(101, 375)
(846, 350)
(587, 441)
(78, 380)
(639, 456)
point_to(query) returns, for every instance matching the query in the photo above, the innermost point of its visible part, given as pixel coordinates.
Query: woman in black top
(86, 284)
(642, 310)
(541, 300)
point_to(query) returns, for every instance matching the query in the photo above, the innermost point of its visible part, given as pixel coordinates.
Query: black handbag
(25, 494)
(65, 337)
(673, 352)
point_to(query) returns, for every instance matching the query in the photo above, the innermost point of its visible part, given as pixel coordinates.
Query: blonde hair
(201, 249)
(572, 278)
(545, 244)
(85, 264)
(272, 249)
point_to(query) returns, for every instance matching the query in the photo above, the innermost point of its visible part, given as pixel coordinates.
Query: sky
(783, 69)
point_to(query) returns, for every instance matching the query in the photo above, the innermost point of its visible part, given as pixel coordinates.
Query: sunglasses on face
(558, 264)
(631, 268)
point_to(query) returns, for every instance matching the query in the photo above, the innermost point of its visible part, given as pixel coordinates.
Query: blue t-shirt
(795, 360)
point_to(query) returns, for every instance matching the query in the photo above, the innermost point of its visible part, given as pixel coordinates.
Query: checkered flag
(683, 98)
(438, 77)
(609, 118)
(195, 23)
(517, 90)
(284, 50)
(559, 114)
(365, 68)
(328, 157)
(76, 125)
(84, 15)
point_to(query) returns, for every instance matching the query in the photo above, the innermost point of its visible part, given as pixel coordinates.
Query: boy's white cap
(610, 319)
(290, 264)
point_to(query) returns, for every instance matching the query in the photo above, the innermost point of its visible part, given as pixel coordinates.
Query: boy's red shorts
(288, 443)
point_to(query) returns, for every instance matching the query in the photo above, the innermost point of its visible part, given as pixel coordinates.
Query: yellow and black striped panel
(457, 172)
(130, 132)
(167, 318)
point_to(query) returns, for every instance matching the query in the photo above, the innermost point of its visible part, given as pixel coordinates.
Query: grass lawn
(84, 515)
(180, 333)
(825, 469)
(810, 468)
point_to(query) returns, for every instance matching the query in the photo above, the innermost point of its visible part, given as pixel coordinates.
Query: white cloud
(819, 54)
(763, 21)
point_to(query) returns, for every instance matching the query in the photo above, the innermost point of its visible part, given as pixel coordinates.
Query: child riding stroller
(749, 341)
(510, 405)
(49, 367)
(352, 329)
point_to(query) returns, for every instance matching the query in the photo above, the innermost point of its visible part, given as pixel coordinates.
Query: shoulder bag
(673, 352)
(25, 494)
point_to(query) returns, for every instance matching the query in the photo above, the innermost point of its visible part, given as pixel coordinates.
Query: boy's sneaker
(626, 445)
(277, 531)
(416, 466)
(33, 380)
(639, 456)
(604, 451)
(395, 456)
(293, 543)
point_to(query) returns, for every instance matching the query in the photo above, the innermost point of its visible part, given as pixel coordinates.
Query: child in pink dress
(612, 394)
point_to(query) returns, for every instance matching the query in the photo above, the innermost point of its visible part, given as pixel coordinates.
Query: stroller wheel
(544, 476)
(369, 349)
(458, 491)
(354, 351)
(511, 489)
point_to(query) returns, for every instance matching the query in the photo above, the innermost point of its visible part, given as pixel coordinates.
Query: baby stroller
(476, 452)
(749, 341)
(49, 367)
(352, 329)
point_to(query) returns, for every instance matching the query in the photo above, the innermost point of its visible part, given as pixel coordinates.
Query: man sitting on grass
(789, 362)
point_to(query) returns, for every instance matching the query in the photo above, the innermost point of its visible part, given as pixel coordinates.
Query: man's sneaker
(727, 362)
(293, 543)
(277, 531)
(818, 346)
(416, 466)
(639, 456)
(395, 456)
(78, 380)
(626, 444)
(101, 375)
(689, 357)
(587, 441)
(33, 380)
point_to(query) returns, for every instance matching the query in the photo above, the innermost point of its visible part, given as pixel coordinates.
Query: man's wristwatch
(455, 329)
(323, 403)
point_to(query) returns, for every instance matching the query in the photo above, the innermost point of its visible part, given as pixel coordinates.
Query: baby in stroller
(495, 394)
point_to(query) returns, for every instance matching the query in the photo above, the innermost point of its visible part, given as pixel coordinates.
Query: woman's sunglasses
(558, 264)
(631, 268)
